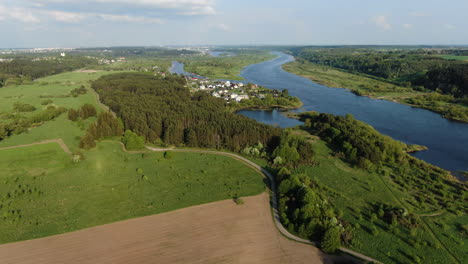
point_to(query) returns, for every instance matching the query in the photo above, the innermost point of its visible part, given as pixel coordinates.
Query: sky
(91, 23)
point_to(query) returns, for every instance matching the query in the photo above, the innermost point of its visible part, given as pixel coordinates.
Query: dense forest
(403, 67)
(18, 70)
(161, 109)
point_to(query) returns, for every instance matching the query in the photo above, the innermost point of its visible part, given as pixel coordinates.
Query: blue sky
(79, 23)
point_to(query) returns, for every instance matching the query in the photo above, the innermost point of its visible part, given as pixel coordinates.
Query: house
(228, 84)
(242, 97)
(233, 96)
(216, 94)
(202, 87)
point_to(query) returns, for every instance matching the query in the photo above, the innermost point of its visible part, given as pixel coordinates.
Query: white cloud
(32, 16)
(67, 17)
(181, 7)
(129, 19)
(222, 27)
(407, 26)
(18, 14)
(381, 21)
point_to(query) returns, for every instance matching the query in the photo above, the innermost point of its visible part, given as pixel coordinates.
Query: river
(447, 140)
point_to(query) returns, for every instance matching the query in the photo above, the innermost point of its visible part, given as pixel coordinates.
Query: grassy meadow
(454, 57)
(355, 191)
(56, 88)
(224, 67)
(45, 193)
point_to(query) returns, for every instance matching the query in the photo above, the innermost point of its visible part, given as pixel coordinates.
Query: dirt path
(220, 232)
(274, 199)
(58, 141)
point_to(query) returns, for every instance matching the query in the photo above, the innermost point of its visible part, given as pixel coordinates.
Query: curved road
(274, 198)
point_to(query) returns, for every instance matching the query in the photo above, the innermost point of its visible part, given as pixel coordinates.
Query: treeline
(449, 79)
(18, 70)
(406, 68)
(22, 124)
(161, 109)
(391, 65)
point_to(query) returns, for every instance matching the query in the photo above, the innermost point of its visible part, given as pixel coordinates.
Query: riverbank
(376, 89)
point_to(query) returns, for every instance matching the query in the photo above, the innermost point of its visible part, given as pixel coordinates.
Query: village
(229, 90)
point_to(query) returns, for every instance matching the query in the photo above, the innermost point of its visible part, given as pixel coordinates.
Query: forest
(20, 70)
(417, 68)
(162, 110)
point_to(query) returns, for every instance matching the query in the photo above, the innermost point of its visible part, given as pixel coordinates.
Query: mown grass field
(354, 191)
(45, 193)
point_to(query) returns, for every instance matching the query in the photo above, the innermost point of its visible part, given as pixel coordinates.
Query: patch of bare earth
(220, 232)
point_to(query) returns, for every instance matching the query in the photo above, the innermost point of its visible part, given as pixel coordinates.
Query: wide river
(447, 140)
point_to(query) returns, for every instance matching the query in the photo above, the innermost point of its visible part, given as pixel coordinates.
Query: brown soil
(220, 232)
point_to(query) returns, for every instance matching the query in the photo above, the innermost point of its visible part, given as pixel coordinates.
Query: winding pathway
(274, 198)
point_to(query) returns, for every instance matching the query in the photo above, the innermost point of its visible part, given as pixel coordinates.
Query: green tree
(132, 141)
(331, 240)
(73, 114)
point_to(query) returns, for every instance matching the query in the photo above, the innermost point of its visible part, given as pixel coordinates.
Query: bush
(132, 141)
(73, 114)
(20, 107)
(331, 240)
(238, 201)
(46, 102)
(87, 110)
(168, 155)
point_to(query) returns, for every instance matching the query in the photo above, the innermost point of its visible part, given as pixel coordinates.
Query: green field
(454, 57)
(45, 193)
(354, 191)
(57, 89)
(224, 67)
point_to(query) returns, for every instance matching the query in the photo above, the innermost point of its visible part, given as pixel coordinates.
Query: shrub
(46, 102)
(132, 141)
(168, 155)
(87, 110)
(331, 240)
(238, 201)
(20, 107)
(73, 114)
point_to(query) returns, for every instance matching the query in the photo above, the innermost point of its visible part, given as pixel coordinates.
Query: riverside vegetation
(414, 77)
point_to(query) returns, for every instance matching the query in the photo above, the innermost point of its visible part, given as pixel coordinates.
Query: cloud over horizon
(225, 22)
